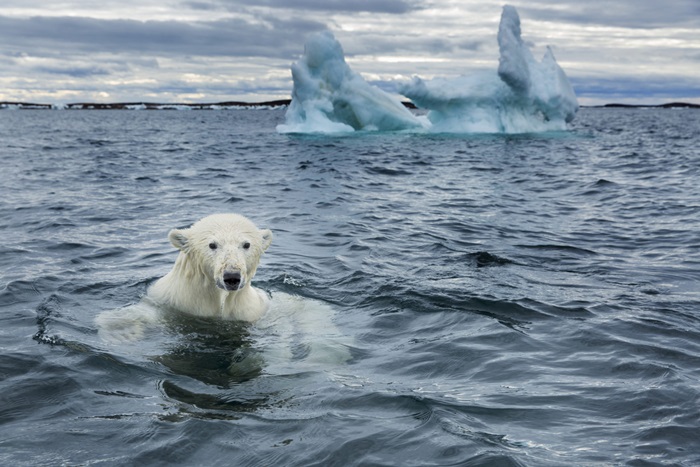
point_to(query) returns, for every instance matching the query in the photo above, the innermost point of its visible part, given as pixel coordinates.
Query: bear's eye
(246, 245)
(213, 246)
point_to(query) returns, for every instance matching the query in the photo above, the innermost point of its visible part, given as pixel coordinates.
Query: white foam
(293, 325)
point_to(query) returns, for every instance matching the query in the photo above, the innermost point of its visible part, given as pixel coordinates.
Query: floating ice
(524, 96)
(328, 96)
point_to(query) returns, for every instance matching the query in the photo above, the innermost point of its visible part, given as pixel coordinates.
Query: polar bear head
(226, 248)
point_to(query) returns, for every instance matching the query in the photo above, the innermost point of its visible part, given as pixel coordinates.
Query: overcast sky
(636, 51)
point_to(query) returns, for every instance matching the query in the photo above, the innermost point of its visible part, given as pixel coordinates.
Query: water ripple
(520, 300)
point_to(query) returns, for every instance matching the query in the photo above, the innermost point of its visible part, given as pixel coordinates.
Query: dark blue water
(514, 300)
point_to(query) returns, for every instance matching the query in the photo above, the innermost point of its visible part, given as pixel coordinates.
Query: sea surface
(522, 300)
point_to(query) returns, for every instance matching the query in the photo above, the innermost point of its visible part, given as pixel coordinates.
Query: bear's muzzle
(232, 280)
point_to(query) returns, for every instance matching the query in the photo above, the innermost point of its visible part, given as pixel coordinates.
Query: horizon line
(135, 105)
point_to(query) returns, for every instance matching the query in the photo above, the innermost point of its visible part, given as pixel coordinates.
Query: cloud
(663, 88)
(378, 45)
(226, 37)
(396, 7)
(237, 50)
(75, 72)
(643, 14)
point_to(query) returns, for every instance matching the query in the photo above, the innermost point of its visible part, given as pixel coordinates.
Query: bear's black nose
(232, 280)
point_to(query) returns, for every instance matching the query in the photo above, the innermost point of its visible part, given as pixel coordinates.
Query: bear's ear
(179, 239)
(266, 235)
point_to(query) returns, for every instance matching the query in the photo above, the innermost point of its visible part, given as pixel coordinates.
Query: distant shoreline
(280, 103)
(141, 105)
(668, 105)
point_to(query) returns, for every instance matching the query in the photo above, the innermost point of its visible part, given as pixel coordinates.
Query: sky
(196, 51)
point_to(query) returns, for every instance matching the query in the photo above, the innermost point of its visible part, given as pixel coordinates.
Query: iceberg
(329, 97)
(522, 96)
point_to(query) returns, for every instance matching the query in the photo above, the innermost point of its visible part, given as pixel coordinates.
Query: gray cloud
(226, 49)
(381, 45)
(620, 13)
(75, 72)
(666, 87)
(202, 5)
(372, 6)
(229, 37)
(416, 45)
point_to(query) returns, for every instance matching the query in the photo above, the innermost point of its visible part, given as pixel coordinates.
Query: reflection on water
(214, 352)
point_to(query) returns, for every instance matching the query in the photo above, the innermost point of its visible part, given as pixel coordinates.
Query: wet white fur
(194, 284)
(191, 287)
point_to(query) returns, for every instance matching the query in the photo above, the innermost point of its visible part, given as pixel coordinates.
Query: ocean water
(523, 300)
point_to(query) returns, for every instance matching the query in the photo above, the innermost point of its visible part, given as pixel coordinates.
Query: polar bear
(211, 278)
(215, 267)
